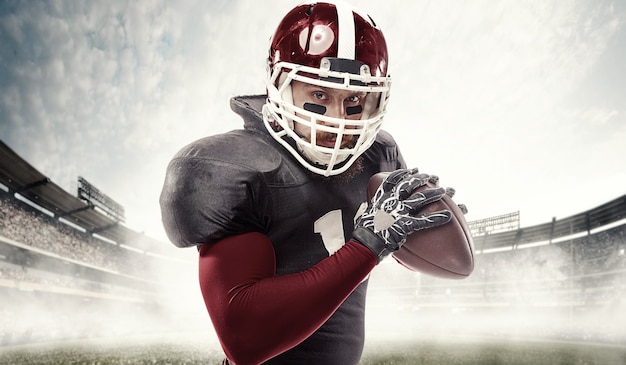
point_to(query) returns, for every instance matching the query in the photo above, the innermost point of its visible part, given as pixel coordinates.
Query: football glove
(394, 211)
(462, 207)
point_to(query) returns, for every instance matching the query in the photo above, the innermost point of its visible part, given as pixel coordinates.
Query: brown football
(446, 251)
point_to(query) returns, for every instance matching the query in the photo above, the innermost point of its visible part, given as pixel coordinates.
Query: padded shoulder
(385, 153)
(238, 147)
(217, 186)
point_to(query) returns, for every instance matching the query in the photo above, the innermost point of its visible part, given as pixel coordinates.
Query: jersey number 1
(330, 227)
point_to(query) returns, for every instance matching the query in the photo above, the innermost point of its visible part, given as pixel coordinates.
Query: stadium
(79, 286)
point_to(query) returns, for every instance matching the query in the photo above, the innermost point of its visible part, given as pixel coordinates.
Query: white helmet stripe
(345, 23)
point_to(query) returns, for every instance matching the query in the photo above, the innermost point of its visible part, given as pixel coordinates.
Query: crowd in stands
(39, 304)
(25, 224)
(22, 277)
(588, 271)
(600, 252)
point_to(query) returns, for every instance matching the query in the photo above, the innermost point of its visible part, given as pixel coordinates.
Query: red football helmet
(332, 45)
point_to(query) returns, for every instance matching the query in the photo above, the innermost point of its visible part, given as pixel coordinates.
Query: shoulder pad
(217, 186)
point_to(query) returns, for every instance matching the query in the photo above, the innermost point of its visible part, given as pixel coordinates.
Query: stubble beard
(345, 177)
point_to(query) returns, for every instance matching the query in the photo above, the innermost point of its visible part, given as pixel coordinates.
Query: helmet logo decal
(317, 40)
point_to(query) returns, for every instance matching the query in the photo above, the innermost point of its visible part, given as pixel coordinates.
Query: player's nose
(336, 110)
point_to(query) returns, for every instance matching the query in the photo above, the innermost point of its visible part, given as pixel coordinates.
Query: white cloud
(490, 86)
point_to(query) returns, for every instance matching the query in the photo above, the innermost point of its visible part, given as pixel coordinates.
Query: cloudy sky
(519, 105)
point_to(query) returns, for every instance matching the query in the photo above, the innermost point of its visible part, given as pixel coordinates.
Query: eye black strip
(351, 110)
(315, 108)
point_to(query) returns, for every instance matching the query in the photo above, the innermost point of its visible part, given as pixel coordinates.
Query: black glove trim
(370, 240)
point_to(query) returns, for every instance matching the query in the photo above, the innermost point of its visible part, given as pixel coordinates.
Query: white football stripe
(345, 22)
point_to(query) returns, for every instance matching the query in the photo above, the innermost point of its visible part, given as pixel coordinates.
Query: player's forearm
(258, 315)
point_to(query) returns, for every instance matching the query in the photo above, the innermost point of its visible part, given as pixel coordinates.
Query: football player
(276, 209)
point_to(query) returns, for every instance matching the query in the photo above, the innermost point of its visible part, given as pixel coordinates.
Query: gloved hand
(462, 207)
(393, 212)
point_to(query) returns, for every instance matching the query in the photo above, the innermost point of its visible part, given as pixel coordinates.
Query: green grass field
(179, 351)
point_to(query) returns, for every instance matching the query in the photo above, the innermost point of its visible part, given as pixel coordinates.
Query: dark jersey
(244, 181)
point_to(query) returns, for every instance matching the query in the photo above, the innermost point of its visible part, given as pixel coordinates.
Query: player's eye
(318, 95)
(353, 99)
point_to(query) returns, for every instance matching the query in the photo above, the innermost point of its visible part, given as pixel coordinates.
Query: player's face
(343, 104)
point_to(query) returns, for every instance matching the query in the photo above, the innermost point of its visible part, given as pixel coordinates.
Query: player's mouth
(330, 139)
(327, 142)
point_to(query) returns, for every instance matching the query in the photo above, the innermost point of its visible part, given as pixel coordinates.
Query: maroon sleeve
(258, 315)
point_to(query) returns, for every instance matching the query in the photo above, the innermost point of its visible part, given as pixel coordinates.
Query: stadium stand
(564, 279)
(63, 260)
